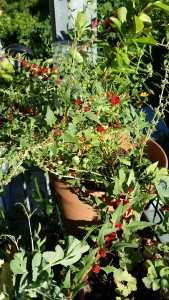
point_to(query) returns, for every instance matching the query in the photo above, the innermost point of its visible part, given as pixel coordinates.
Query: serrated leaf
(151, 168)
(50, 117)
(92, 116)
(139, 25)
(76, 55)
(122, 14)
(138, 225)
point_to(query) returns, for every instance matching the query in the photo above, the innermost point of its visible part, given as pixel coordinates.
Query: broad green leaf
(53, 257)
(36, 261)
(164, 272)
(68, 261)
(76, 55)
(50, 117)
(116, 22)
(156, 284)
(149, 40)
(147, 281)
(138, 24)
(108, 269)
(81, 20)
(18, 264)
(145, 18)
(122, 14)
(165, 283)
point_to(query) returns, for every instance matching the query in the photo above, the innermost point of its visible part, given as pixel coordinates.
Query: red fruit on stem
(103, 253)
(96, 268)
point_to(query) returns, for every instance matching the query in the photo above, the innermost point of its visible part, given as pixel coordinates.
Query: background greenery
(26, 22)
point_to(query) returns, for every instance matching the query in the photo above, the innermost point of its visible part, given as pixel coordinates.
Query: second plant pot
(76, 213)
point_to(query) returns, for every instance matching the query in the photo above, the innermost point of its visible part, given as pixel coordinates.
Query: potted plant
(116, 260)
(77, 124)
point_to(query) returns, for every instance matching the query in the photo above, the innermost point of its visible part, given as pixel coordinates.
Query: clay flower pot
(76, 213)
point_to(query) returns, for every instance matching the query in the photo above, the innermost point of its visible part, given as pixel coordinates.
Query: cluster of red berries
(114, 99)
(35, 70)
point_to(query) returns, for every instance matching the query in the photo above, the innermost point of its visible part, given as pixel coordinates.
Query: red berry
(77, 189)
(77, 102)
(100, 128)
(126, 201)
(96, 268)
(116, 203)
(165, 207)
(85, 278)
(119, 226)
(58, 132)
(103, 253)
(30, 110)
(111, 236)
(86, 108)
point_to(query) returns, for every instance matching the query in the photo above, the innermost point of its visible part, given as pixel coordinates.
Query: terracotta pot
(76, 213)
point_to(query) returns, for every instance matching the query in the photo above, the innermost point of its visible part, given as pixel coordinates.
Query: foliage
(120, 260)
(26, 23)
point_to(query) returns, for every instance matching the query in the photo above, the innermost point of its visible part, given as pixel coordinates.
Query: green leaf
(81, 20)
(66, 283)
(52, 257)
(122, 14)
(138, 24)
(161, 5)
(147, 281)
(149, 40)
(18, 264)
(156, 284)
(164, 272)
(126, 58)
(92, 116)
(89, 259)
(120, 245)
(138, 225)
(108, 269)
(116, 22)
(144, 17)
(119, 59)
(151, 168)
(50, 118)
(36, 261)
(76, 55)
